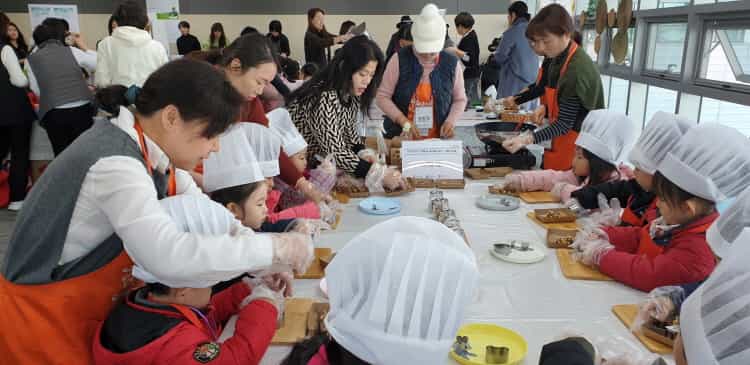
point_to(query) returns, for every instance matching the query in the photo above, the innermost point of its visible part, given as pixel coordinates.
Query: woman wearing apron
(95, 212)
(571, 84)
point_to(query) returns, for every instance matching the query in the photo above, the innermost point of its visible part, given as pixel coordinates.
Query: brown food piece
(659, 332)
(624, 14)
(499, 190)
(560, 215)
(560, 238)
(451, 184)
(611, 18)
(515, 116)
(620, 46)
(601, 16)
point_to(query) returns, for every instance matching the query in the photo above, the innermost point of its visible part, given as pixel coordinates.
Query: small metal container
(452, 223)
(439, 206)
(435, 195)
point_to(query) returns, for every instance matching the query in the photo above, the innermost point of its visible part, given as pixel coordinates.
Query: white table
(534, 300)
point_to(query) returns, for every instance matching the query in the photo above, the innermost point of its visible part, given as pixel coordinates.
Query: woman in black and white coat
(325, 111)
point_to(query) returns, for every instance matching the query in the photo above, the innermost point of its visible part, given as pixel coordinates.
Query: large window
(659, 100)
(589, 39)
(725, 55)
(618, 95)
(733, 115)
(665, 48)
(658, 4)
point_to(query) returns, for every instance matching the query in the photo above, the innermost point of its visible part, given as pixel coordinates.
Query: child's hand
(293, 249)
(262, 292)
(609, 212)
(558, 189)
(590, 251)
(512, 182)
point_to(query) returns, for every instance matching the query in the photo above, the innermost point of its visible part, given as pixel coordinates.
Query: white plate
(522, 257)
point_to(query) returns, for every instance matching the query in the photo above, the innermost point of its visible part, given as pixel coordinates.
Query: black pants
(65, 125)
(16, 139)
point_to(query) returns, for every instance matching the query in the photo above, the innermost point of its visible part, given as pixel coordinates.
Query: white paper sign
(39, 12)
(165, 17)
(432, 159)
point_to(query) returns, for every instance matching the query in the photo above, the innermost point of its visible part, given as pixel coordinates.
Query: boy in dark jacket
(468, 52)
(187, 42)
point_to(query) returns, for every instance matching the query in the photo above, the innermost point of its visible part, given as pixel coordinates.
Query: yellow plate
(480, 335)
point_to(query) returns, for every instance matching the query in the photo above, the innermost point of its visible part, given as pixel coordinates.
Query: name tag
(423, 117)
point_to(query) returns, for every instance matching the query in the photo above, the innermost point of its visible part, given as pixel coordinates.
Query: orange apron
(560, 157)
(651, 249)
(54, 323)
(423, 97)
(629, 217)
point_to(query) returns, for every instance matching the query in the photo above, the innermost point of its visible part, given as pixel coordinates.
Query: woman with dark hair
(129, 55)
(99, 206)
(326, 107)
(279, 41)
(249, 65)
(571, 83)
(217, 39)
(18, 42)
(516, 61)
(317, 39)
(393, 44)
(346, 26)
(16, 117)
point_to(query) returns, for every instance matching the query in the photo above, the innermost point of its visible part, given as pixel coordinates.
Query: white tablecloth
(534, 300)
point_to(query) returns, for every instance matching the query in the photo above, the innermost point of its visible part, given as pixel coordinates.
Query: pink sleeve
(459, 96)
(387, 87)
(308, 210)
(544, 180)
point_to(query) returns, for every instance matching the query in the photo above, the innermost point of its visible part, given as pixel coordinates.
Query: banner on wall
(165, 18)
(39, 12)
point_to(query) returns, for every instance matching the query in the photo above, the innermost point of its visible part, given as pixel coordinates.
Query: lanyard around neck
(172, 187)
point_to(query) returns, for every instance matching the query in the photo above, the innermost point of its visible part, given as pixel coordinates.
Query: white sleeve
(85, 59)
(125, 193)
(185, 183)
(33, 84)
(10, 61)
(102, 78)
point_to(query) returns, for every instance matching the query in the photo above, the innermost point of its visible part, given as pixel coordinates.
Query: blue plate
(380, 206)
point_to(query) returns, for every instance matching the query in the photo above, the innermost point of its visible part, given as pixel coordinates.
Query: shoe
(15, 206)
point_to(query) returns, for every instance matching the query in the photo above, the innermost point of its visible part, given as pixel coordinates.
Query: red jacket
(134, 333)
(253, 112)
(686, 258)
(308, 210)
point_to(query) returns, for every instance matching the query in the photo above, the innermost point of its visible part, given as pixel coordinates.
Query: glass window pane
(618, 95)
(726, 54)
(605, 86)
(589, 36)
(631, 41)
(730, 114)
(699, 2)
(666, 44)
(657, 4)
(660, 100)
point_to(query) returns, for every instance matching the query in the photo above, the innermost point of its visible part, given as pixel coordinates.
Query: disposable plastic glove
(515, 144)
(512, 182)
(558, 188)
(609, 212)
(589, 250)
(381, 177)
(311, 227)
(659, 306)
(265, 293)
(369, 155)
(293, 249)
(575, 206)
(280, 282)
(323, 177)
(311, 192)
(327, 214)
(614, 351)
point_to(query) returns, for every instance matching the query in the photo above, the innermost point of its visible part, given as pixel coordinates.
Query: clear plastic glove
(515, 144)
(614, 351)
(381, 177)
(323, 177)
(327, 214)
(311, 192)
(658, 306)
(491, 105)
(369, 155)
(575, 206)
(588, 250)
(293, 249)
(279, 282)
(310, 227)
(609, 212)
(262, 292)
(509, 102)
(558, 188)
(537, 116)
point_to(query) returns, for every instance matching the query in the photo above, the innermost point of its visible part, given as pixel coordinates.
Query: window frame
(662, 74)
(722, 22)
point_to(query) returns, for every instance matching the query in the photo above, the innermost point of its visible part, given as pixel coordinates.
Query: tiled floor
(7, 218)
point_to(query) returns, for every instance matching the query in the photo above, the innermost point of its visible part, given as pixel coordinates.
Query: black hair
(57, 27)
(552, 19)
(345, 26)
(274, 26)
(44, 32)
(464, 19)
(337, 75)
(21, 40)
(110, 28)
(235, 194)
(212, 56)
(304, 350)
(673, 195)
(310, 15)
(405, 20)
(200, 92)
(217, 27)
(405, 33)
(131, 13)
(251, 49)
(520, 9)
(291, 70)
(157, 289)
(310, 69)
(184, 24)
(600, 171)
(248, 30)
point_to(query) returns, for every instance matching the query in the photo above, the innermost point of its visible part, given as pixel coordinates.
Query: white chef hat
(398, 291)
(661, 135)
(280, 122)
(715, 319)
(606, 134)
(266, 145)
(428, 30)
(235, 164)
(732, 226)
(712, 162)
(194, 213)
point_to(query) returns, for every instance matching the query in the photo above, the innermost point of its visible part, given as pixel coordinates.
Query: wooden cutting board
(562, 226)
(574, 270)
(487, 173)
(538, 197)
(627, 313)
(317, 268)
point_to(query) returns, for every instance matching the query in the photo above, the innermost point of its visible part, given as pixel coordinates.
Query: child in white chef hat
(604, 139)
(397, 293)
